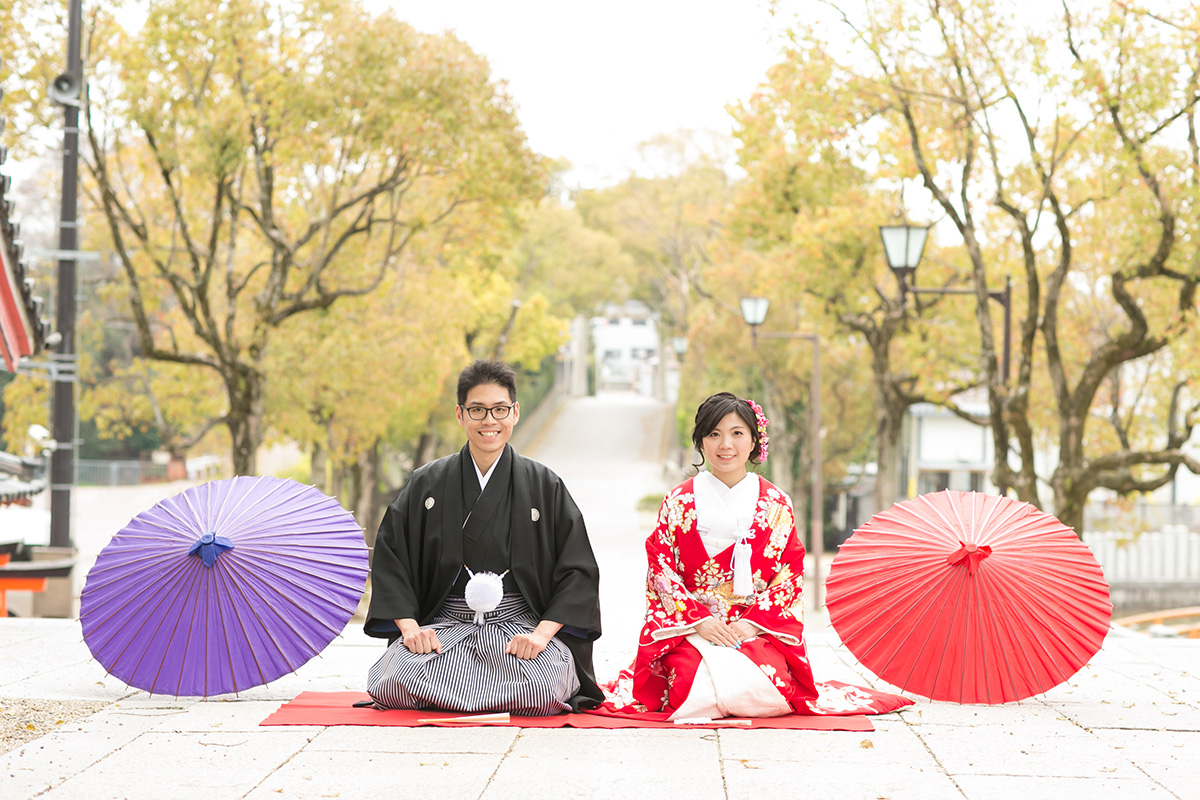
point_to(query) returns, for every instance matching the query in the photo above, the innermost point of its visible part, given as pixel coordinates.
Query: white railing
(208, 466)
(1106, 516)
(118, 473)
(1171, 553)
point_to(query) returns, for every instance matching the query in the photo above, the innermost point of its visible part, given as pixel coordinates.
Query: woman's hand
(717, 632)
(418, 639)
(744, 630)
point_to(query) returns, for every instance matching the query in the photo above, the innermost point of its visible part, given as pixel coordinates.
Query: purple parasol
(225, 586)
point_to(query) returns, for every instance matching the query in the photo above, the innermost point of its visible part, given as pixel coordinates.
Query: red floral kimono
(684, 586)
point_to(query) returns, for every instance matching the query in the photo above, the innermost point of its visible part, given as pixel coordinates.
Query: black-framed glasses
(479, 413)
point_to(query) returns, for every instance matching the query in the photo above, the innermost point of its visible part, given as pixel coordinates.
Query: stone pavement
(1127, 726)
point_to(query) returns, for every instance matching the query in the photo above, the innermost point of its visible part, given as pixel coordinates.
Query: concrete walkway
(1126, 726)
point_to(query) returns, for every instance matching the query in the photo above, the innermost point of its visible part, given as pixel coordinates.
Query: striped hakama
(473, 673)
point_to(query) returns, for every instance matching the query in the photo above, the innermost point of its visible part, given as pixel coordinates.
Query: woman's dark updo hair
(713, 410)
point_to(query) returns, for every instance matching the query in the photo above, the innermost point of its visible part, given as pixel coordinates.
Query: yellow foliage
(26, 403)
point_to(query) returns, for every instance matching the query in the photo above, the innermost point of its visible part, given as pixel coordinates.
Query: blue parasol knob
(209, 546)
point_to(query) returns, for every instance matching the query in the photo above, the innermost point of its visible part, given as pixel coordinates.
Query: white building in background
(626, 348)
(939, 450)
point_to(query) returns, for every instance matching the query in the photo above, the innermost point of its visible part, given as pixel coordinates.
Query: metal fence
(118, 473)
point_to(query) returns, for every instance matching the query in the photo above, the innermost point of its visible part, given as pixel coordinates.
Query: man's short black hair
(483, 372)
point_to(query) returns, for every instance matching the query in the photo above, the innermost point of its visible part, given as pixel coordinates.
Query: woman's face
(727, 448)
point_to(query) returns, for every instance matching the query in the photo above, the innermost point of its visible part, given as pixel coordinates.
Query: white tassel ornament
(484, 592)
(743, 586)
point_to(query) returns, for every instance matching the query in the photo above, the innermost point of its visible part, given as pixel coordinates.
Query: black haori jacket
(419, 552)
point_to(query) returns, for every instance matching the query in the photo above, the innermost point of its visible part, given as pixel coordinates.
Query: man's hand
(418, 639)
(529, 645)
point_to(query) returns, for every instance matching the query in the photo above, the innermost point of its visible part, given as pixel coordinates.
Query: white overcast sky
(592, 80)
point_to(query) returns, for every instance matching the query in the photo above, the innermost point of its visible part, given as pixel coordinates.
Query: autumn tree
(32, 39)
(810, 205)
(1063, 148)
(779, 373)
(24, 403)
(667, 220)
(258, 161)
(576, 267)
(675, 221)
(502, 291)
(122, 393)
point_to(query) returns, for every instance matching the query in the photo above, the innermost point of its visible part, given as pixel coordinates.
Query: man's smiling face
(487, 437)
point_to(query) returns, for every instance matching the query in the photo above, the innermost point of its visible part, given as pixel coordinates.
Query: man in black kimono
(485, 511)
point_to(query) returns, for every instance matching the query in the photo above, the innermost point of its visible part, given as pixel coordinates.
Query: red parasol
(968, 597)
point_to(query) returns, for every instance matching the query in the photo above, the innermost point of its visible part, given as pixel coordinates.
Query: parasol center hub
(209, 546)
(969, 554)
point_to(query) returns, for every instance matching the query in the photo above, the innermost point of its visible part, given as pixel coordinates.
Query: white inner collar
(484, 477)
(724, 513)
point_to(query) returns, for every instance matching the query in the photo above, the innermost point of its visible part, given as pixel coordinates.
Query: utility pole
(67, 90)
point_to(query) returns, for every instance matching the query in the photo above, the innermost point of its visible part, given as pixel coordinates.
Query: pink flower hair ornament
(763, 422)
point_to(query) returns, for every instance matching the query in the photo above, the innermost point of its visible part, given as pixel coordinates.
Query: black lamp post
(754, 312)
(903, 246)
(66, 90)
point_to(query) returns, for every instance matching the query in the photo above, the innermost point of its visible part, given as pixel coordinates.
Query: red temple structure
(22, 330)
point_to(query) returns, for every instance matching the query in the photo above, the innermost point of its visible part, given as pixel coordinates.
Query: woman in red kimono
(724, 629)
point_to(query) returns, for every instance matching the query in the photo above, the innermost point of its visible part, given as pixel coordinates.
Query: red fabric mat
(337, 708)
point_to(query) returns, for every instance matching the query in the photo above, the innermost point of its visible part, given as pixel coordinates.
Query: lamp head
(903, 246)
(754, 310)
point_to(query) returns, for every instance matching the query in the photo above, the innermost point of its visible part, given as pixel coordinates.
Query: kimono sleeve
(392, 592)
(671, 608)
(779, 609)
(575, 597)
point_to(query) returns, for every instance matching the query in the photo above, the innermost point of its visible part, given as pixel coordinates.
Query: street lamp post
(66, 89)
(903, 246)
(754, 312)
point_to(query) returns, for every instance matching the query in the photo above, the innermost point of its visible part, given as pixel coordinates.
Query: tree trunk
(427, 447)
(319, 461)
(359, 491)
(335, 482)
(369, 508)
(892, 401)
(780, 448)
(350, 487)
(1069, 505)
(799, 455)
(887, 459)
(245, 386)
(364, 489)
(890, 407)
